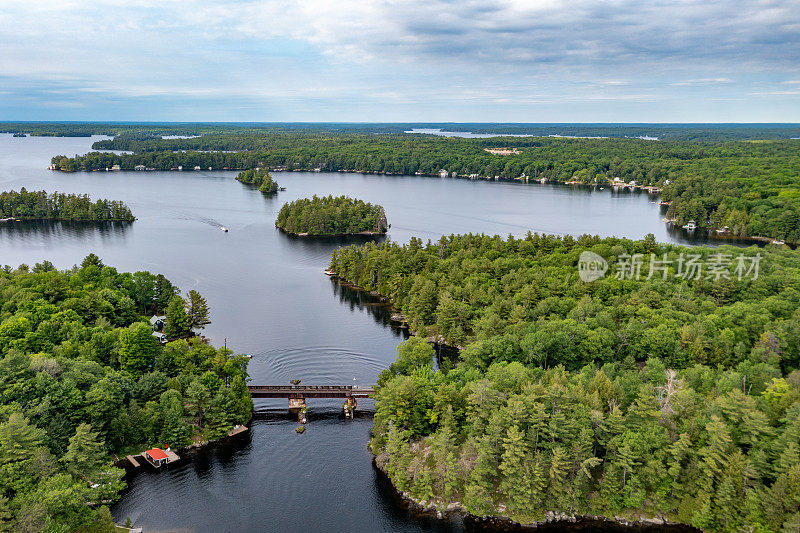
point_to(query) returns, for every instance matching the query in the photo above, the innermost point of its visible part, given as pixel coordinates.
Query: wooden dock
(171, 456)
(134, 463)
(237, 430)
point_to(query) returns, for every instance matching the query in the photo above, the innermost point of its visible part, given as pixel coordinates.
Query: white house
(158, 322)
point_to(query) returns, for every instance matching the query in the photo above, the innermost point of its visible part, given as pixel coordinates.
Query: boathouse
(156, 457)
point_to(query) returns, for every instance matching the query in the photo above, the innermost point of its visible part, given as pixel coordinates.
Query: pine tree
(516, 483)
(85, 451)
(197, 311)
(18, 439)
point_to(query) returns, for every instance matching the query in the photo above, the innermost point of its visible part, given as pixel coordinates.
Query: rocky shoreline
(552, 519)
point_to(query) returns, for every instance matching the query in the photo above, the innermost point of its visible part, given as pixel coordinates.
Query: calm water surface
(270, 299)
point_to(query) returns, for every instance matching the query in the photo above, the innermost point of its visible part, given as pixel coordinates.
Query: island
(637, 398)
(39, 205)
(720, 178)
(84, 378)
(259, 177)
(329, 216)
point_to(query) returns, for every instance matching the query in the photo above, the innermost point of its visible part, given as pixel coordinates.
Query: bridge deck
(309, 391)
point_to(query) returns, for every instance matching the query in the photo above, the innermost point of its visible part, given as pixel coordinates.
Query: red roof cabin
(156, 457)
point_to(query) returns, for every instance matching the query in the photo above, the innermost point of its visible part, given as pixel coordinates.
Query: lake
(270, 298)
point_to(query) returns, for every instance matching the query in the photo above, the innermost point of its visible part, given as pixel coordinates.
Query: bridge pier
(299, 405)
(349, 407)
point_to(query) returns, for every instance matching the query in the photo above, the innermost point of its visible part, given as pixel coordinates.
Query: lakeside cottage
(443, 173)
(158, 322)
(162, 338)
(139, 168)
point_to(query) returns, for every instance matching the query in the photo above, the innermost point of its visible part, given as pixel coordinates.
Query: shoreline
(186, 451)
(66, 220)
(556, 520)
(397, 316)
(650, 190)
(324, 235)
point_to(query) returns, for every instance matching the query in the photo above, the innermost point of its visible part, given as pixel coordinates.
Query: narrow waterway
(270, 299)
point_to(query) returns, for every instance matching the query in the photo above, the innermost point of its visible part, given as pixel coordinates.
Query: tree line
(259, 177)
(686, 132)
(82, 377)
(658, 396)
(329, 215)
(38, 205)
(752, 188)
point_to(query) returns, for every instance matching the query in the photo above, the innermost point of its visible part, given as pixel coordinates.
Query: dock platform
(237, 430)
(172, 456)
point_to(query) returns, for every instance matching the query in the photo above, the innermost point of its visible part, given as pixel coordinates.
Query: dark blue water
(270, 299)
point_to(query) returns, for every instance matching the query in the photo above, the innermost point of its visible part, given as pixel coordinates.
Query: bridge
(309, 391)
(297, 395)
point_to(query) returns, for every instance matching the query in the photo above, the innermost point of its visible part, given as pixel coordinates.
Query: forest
(747, 188)
(260, 178)
(329, 215)
(685, 132)
(666, 395)
(38, 205)
(83, 378)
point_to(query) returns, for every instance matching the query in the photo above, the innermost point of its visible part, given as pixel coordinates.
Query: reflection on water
(363, 301)
(703, 237)
(39, 233)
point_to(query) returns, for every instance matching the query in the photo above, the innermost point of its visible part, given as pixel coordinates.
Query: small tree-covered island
(657, 393)
(38, 205)
(83, 377)
(329, 215)
(260, 178)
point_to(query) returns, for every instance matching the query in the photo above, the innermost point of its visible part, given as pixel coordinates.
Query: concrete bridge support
(297, 403)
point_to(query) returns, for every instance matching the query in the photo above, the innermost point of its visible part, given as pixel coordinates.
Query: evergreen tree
(85, 451)
(196, 310)
(177, 322)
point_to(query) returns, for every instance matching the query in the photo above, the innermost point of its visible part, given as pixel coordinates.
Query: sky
(401, 61)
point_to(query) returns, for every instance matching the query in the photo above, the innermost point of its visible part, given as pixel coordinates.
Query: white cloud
(702, 81)
(397, 52)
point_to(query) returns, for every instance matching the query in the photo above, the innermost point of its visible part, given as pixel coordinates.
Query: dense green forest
(141, 130)
(752, 188)
(675, 394)
(328, 215)
(82, 378)
(260, 178)
(38, 205)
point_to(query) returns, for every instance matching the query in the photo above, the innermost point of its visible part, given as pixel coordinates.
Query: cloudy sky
(401, 61)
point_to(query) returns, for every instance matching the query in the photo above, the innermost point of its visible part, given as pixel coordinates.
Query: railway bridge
(297, 394)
